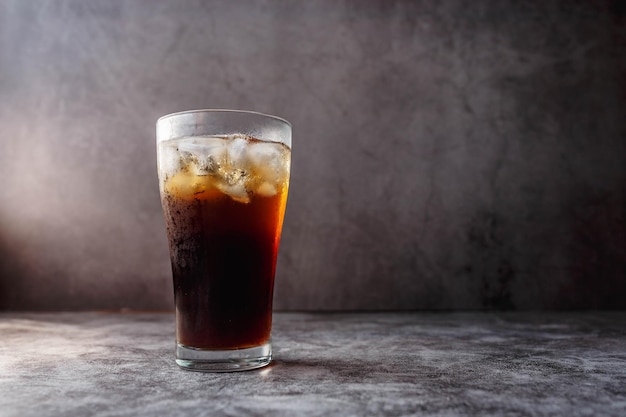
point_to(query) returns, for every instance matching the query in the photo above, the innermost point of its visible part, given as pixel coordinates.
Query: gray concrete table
(387, 364)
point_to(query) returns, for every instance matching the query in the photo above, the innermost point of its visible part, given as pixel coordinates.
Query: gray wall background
(447, 154)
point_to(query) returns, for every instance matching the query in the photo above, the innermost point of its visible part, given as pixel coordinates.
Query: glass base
(201, 360)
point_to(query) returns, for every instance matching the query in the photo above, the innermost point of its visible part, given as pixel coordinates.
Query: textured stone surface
(445, 155)
(446, 364)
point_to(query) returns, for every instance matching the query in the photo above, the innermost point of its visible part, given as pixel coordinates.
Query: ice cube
(202, 155)
(168, 160)
(266, 190)
(235, 176)
(261, 152)
(237, 147)
(199, 144)
(214, 160)
(269, 161)
(185, 185)
(236, 191)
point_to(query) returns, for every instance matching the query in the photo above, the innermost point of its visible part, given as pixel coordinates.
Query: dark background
(446, 154)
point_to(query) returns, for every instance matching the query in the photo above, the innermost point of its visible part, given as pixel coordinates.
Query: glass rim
(251, 112)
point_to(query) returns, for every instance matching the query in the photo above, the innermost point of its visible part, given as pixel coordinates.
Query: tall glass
(223, 177)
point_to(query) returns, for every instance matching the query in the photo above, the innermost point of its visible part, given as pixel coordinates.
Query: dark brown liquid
(223, 256)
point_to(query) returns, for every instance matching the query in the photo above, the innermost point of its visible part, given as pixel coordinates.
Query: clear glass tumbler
(223, 178)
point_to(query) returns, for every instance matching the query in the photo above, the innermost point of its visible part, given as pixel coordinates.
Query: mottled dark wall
(447, 154)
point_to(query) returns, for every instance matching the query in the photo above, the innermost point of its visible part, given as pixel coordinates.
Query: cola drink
(224, 227)
(224, 199)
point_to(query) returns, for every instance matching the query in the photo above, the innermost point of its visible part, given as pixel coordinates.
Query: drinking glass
(223, 180)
